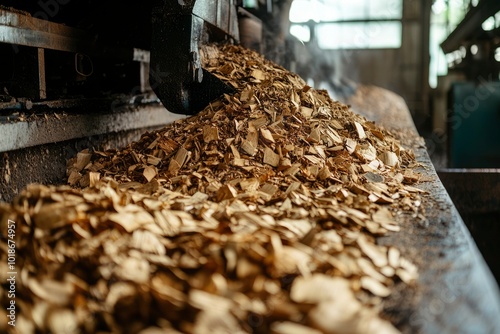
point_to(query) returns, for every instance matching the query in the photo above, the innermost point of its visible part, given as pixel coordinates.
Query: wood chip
(258, 74)
(360, 131)
(150, 173)
(350, 145)
(226, 192)
(366, 152)
(94, 178)
(210, 133)
(291, 328)
(82, 160)
(267, 136)
(250, 185)
(271, 158)
(314, 136)
(248, 148)
(389, 159)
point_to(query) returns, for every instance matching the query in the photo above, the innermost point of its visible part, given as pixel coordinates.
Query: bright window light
(338, 23)
(438, 63)
(368, 35)
(489, 24)
(463, 51)
(389, 9)
(302, 11)
(341, 10)
(302, 32)
(497, 54)
(439, 6)
(250, 4)
(474, 49)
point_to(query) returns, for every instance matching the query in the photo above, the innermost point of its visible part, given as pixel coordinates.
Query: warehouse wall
(404, 70)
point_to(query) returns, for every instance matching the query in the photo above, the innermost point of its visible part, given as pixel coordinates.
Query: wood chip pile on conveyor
(260, 214)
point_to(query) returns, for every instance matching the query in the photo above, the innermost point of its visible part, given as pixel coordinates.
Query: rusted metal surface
(43, 145)
(20, 29)
(456, 292)
(19, 135)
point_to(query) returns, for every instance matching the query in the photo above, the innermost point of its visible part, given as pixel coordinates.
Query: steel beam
(21, 29)
(470, 24)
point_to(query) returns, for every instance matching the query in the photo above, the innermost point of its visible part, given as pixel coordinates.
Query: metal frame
(470, 24)
(23, 30)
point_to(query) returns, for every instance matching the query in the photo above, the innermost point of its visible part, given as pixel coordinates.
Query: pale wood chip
(366, 152)
(150, 173)
(375, 253)
(291, 328)
(153, 160)
(250, 185)
(314, 136)
(389, 159)
(306, 112)
(266, 136)
(259, 75)
(350, 145)
(82, 160)
(269, 188)
(360, 131)
(131, 221)
(248, 148)
(271, 158)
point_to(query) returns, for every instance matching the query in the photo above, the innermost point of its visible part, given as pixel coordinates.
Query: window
(369, 35)
(492, 22)
(353, 24)
(302, 32)
(445, 16)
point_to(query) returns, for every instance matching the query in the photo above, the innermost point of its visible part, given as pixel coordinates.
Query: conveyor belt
(456, 292)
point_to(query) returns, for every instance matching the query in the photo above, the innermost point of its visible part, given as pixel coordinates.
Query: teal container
(474, 125)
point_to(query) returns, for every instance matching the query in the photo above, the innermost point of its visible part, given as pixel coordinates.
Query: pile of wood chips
(260, 214)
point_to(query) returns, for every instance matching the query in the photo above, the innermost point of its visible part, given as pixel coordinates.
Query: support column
(29, 79)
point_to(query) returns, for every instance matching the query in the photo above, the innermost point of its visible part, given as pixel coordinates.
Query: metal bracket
(179, 29)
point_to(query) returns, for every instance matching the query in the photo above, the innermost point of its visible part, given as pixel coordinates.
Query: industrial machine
(59, 50)
(473, 123)
(473, 116)
(179, 29)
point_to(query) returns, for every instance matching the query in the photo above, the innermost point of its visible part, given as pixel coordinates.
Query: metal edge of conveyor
(23, 134)
(460, 294)
(456, 291)
(37, 150)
